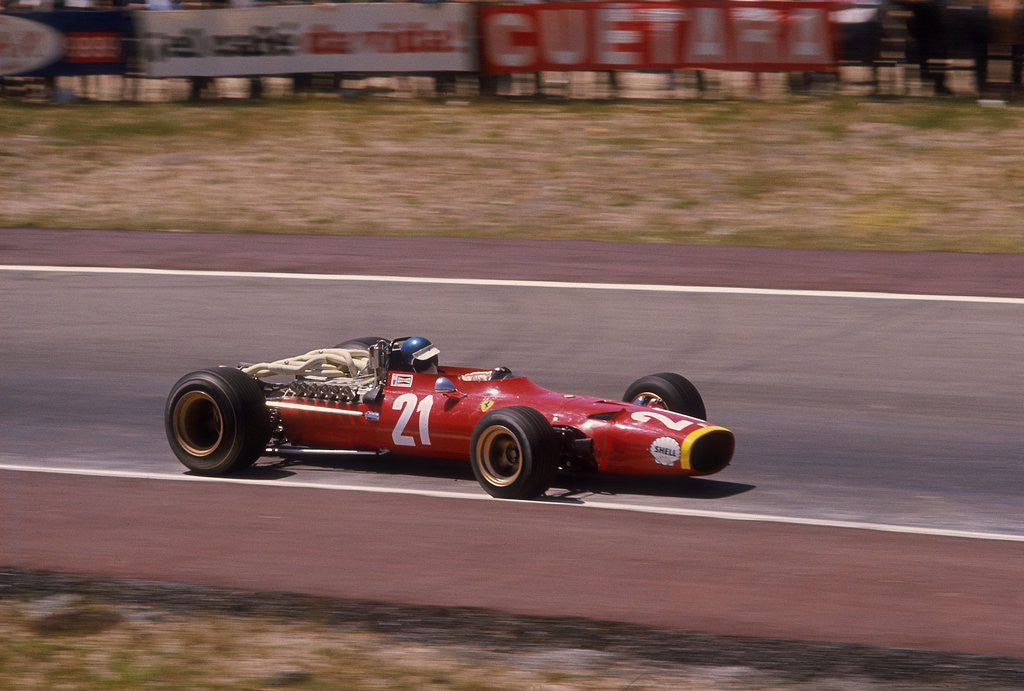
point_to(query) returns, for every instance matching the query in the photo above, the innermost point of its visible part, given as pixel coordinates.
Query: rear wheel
(217, 421)
(363, 343)
(668, 391)
(514, 453)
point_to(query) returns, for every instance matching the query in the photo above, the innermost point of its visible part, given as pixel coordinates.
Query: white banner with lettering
(377, 37)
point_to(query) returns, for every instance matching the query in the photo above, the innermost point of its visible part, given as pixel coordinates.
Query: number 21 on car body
(409, 404)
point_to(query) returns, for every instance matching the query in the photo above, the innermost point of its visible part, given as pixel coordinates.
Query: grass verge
(829, 172)
(62, 631)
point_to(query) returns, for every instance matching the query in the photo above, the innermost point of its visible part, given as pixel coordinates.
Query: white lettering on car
(674, 425)
(665, 451)
(407, 404)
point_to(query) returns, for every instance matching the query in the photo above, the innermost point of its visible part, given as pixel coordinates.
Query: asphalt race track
(876, 495)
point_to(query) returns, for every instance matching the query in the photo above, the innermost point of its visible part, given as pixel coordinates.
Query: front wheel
(217, 420)
(669, 391)
(514, 453)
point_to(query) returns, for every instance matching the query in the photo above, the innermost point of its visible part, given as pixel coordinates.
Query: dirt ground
(827, 172)
(69, 631)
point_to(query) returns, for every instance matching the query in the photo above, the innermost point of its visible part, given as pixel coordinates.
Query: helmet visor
(425, 353)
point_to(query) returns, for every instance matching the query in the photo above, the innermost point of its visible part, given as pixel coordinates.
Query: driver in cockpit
(417, 354)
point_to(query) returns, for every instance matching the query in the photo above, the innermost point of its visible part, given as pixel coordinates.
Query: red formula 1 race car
(378, 396)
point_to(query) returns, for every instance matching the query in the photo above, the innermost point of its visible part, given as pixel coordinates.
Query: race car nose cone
(709, 449)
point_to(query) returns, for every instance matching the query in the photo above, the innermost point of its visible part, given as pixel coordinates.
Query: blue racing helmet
(418, 354)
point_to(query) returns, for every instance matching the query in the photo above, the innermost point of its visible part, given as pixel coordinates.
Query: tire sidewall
(538, 457)
(244, 420)
(362, 343)
(678, 393)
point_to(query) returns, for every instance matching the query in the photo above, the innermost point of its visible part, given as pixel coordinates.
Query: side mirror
(446, 387)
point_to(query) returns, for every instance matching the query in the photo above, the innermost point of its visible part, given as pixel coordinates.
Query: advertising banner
(748, 35)
(42, 44)
(368, 38)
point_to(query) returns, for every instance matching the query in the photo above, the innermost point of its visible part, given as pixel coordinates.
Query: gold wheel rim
(649, 400)
(198, 425)
(500, 456)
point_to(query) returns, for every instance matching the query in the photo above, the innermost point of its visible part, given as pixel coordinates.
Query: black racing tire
(514, 453)
(669, 391)
(363, 343)
(217, 421)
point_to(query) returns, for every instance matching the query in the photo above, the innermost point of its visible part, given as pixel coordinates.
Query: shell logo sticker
(666, 451)
(486, 405)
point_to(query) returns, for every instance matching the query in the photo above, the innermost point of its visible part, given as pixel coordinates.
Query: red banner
(748, 35)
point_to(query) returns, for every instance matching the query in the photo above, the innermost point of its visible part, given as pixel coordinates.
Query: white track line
(481, 496)
(649, 288)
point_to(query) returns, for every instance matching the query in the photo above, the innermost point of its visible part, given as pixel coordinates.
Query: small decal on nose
(665, 451)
